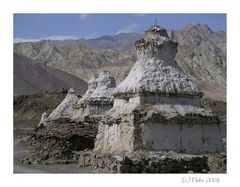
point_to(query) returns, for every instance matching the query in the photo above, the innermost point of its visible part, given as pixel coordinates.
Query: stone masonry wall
(154, 162)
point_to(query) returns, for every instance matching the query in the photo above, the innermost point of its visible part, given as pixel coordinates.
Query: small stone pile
(59, 143)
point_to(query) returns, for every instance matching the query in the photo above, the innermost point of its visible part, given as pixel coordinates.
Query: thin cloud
(57, 37)
(140, 14)
(84, 16)
(91, 35)
(41, 17)
(128, 29)
(19, 40)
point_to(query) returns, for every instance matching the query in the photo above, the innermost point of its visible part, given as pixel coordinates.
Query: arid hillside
(30, 77)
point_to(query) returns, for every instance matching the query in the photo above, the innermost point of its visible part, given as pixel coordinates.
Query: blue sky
(65, 26)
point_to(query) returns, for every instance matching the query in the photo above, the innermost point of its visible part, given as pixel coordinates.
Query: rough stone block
(87, 161)
(81, 161)
(113, 167)
(135, 169)
(123, 168)
(100, 164)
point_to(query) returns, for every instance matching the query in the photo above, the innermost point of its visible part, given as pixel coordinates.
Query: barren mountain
(30, 77)
(76, 59)
(122, 42)
(201, 55)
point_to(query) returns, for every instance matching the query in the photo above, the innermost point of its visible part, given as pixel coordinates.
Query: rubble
(59, 142)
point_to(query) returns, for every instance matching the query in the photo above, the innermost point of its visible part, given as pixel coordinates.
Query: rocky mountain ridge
(76, 59)
(201, 55)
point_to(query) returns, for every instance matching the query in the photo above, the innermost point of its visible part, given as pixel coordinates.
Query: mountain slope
(202, 55)
(76, 59)
(30, 78)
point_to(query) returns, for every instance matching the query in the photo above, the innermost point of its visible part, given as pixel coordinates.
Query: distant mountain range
(201, 54)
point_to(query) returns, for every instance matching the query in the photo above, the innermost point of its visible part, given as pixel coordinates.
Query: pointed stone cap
(71, 91)
(43, 119)
(156, 32)
(92, 85)
(66, 107)
(105, 86)
(100, 86)
(156, 44)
